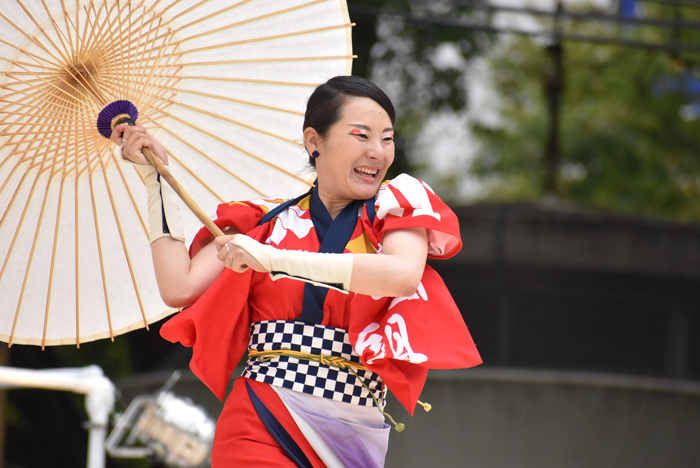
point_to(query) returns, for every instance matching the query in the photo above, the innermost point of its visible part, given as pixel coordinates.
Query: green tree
(402, 54)
(625, 144)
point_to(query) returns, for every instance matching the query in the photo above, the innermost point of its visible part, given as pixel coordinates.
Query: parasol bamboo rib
(9, 207)
(54, 132)
(59, 33)
(30, 38)
(44, 123)
(66, 20)
(236, 147)
(95, 108)
(9, 254)
(43, 146)
(84, 120)
(77, 263)
(4, 184)
(141, 86)
(48, 302)
(157, 109)
(248, 80)
(69, 25)
(35, 149)
(55, 159)
(144, 82)
(16, 82)
(156, 63)
(34, 132)
(240, 23)
(260, 39)
(131, 195)
(37, 58)
(209, 158)
(204, 18)
(53, 259)
(106, 59)
(236, 122)
(175, 185)
(194, 7)
(195, 176)
(21, 114)
(99, 251)
(276, 59)
(90, 13)
(230, 99)
(113, 42)
(34, 143)
(123, 240)
(153, 101)
(43, 32)
(31, 254)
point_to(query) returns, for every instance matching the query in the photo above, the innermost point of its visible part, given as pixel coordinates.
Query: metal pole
(554, 87)
(90, 381)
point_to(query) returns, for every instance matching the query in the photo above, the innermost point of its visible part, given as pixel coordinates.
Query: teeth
(366, 171)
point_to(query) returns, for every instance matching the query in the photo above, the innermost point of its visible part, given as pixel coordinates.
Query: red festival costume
(397, 338)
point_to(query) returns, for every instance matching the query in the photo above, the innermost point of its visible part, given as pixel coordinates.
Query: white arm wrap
(161, 197)
(332, 271)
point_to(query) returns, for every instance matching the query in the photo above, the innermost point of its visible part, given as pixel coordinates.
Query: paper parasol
(222, 84)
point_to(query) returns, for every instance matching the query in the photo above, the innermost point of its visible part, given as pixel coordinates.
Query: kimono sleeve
(406, 202)
(242, 216)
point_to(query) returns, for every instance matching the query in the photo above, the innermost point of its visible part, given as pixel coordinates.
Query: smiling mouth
(367, 172)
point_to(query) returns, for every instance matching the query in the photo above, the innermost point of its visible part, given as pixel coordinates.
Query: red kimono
(397, 338)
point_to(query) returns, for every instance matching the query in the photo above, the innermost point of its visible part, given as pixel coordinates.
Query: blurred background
(565, 135)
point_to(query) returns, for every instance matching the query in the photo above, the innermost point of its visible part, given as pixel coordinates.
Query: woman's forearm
(395, 273)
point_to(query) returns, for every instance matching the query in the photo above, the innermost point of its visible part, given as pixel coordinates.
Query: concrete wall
(514, 418)
(556, 237)
(489, 418)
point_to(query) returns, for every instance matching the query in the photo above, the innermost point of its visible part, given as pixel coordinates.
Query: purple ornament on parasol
(114, 114)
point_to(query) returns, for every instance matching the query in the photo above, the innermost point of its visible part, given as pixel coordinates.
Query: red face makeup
(355, 131)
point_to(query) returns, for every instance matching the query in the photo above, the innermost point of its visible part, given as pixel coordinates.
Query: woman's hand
(133, 139)
(235, 257)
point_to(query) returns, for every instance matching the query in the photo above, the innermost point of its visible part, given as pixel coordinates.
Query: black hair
(326, 102)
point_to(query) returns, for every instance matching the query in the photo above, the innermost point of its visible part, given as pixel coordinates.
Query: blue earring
(315, 154)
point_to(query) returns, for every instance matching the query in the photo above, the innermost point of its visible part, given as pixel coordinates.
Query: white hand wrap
(333, 271)
(161, 197)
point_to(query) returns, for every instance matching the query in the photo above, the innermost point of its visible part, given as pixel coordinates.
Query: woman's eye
(390, 138)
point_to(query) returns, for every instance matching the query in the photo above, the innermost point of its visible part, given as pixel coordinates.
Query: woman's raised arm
(181, 280)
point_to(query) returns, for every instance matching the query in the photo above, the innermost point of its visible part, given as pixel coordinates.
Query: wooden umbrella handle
(191, 204)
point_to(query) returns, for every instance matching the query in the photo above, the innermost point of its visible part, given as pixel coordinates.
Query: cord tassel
(426, 406)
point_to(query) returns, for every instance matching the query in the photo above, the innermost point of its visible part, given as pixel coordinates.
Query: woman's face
(355, 153)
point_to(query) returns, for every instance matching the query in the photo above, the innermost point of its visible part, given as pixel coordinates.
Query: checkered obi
(306, 376)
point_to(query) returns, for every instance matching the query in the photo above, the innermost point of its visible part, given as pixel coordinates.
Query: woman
(342, 324)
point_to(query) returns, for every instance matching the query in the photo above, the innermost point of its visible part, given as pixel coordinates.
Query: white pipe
(99, 394)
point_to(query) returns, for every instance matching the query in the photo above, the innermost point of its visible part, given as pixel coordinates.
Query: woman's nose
(376, 150)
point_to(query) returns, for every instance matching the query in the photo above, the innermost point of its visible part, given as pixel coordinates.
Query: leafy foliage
(625, 145)
(422, 66)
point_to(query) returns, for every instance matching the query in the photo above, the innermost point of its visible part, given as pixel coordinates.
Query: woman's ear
(312, 140)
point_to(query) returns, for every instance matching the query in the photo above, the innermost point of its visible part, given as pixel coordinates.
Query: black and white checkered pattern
(310, 377)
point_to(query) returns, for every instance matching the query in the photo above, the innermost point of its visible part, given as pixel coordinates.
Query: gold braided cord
(333, 361)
